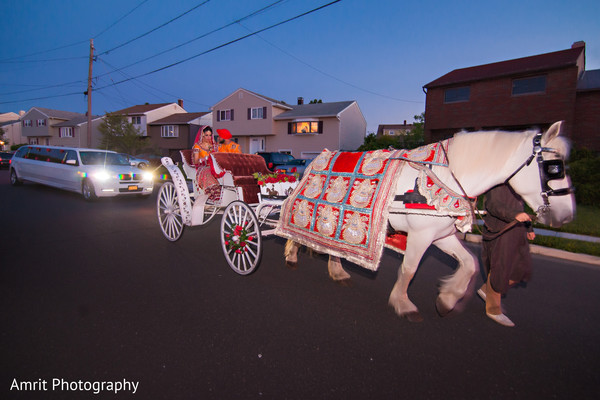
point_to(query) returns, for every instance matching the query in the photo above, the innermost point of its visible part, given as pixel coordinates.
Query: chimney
(405, 122)
(180, 102)
(580, 43)
(300, 101)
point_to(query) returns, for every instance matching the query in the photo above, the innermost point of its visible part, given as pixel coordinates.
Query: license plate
(132, 187)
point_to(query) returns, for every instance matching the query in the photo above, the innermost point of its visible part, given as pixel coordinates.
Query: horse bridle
(549, 170)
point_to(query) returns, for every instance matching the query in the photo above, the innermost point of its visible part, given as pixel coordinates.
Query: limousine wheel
(169, 214)
(88, 191)
(14, 179)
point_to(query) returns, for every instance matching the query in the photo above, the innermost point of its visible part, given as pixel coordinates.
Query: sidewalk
(548, 251)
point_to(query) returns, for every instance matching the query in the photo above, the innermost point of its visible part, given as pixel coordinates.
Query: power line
(203, 35)
(225, 44)
(155, 29)
(329, 75)
(69, 45)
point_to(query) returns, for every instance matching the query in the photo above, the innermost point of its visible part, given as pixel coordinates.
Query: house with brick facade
(518, 94)
(261, 123)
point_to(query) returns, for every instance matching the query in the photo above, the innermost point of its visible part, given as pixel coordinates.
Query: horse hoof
(344, 282)
(291, 265)
(414, 316)
(441, 308)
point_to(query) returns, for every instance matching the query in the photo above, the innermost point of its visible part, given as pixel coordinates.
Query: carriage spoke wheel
(240, 238)
(169, 213)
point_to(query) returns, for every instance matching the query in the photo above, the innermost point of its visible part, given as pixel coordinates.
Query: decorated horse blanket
(341, 206)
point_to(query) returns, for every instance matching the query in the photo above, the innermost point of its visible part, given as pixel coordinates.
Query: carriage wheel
(210, 211)
(169, 214)
(240, 238)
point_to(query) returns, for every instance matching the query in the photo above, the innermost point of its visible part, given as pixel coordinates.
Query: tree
(411, 140)
(120, 135)
(315, 101)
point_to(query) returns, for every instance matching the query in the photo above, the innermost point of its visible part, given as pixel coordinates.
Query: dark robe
(507, 256)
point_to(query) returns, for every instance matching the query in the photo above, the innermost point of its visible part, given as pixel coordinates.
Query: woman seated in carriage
(204, 145)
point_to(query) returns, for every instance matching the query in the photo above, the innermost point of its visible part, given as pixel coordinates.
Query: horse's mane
(486, 153)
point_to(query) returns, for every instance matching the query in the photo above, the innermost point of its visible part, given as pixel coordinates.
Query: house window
(67, 131)
(535, 84)
(305, 127)
(34, 140)
(225, 115)
(136, 120)
(257, 113)
(169, 131)
(456, 95)
(27, 122)
(41, 122)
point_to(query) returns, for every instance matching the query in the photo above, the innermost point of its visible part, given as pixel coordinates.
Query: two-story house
(177, 132)
(39, 126)
(142, 115)
(517, 94)
(261, 123)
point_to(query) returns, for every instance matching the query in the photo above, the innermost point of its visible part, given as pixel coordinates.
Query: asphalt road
(92, 292)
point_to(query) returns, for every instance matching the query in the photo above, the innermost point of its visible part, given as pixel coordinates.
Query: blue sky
(377, 52)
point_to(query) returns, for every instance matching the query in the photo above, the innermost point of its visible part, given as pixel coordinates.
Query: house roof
(179, 118)
(140, 109)
(541, 62)
(315, 110)
(57, 114)
(80, 119)
(590, 80)
(274, 102)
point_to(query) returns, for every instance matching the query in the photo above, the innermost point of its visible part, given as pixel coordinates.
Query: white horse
(477, 161)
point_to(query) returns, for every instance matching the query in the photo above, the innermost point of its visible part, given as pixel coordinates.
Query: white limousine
(91, 172)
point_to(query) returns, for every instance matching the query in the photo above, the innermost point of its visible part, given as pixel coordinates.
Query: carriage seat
(238, 170)
(188, 165)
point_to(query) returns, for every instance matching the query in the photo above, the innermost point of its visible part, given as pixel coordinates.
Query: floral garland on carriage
(278, 184)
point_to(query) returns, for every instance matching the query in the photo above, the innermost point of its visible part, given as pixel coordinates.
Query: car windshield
(102, 158)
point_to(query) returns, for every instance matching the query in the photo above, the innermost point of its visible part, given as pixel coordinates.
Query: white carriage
(249, 211)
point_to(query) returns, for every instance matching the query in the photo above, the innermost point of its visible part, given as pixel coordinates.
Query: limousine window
(102, 158)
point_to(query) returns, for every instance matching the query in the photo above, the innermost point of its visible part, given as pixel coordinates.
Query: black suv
(273, 160)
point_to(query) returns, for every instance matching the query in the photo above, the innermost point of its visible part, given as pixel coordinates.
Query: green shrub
(584, 170)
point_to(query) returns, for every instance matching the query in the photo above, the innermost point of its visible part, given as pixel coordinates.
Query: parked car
(91, 172)
(152, 159)
(135, 161)
(274, 160)
(5, 159)
(296, 165)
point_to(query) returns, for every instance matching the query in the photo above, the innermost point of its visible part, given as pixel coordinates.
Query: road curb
(547, 251)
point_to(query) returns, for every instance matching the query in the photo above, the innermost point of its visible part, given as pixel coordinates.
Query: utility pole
(89, 96)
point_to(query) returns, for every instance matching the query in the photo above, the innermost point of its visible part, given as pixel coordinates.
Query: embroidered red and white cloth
(341, 205)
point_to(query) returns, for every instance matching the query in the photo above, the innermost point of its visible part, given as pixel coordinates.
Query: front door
(257, 144)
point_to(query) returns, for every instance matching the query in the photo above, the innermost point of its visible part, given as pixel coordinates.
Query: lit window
(169, 131)
(305, 127)
(536, 84)
(455, 95)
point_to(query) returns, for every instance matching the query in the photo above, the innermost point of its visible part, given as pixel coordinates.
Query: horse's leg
(291, 253)
(415, 248)
(336, 271)
(454, 287)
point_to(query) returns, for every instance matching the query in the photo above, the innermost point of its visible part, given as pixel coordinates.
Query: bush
(584, 170)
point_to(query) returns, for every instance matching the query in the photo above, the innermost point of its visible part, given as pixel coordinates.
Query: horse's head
(542, 180)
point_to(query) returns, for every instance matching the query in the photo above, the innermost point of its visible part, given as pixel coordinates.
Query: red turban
(224, 133)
